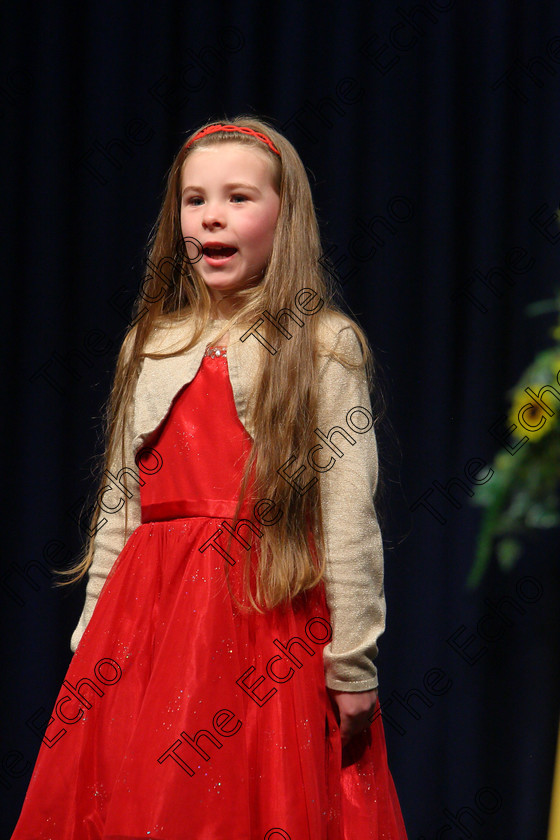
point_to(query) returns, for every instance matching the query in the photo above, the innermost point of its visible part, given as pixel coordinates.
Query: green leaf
(486, 534)
(508, 552)
(542, 307)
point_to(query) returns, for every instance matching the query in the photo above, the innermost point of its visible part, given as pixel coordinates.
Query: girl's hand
(355, 708)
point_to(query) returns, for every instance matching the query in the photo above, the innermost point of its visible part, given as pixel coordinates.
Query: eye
(194, 199)
(238, 197)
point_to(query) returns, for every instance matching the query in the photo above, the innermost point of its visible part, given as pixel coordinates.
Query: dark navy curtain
(430, 133)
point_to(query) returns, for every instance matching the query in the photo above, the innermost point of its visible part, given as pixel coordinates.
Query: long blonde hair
(284, 402)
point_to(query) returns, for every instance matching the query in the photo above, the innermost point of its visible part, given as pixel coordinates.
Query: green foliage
(523, 493)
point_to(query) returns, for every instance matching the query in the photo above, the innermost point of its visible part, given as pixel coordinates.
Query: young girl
(223, 683)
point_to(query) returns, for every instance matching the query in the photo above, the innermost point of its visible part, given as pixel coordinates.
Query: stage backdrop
(430, 132)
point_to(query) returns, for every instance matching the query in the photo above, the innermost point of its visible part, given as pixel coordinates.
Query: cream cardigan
(354, 553)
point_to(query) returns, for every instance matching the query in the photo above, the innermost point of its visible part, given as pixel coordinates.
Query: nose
(213, 215)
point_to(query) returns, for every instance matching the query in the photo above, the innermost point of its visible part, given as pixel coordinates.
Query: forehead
(228, 160)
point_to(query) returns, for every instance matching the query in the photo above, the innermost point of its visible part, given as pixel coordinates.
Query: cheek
(260, 231)
(184, 222)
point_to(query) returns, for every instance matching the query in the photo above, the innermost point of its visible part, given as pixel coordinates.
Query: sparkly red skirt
(183, 716)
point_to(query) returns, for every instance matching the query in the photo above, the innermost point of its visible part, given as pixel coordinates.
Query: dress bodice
(193, 463)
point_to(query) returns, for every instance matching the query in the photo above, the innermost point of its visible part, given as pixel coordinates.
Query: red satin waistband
(183, 508)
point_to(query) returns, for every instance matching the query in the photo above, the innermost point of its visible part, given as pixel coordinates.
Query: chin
(224, 287)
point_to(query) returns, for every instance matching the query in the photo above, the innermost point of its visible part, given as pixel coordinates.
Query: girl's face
(230, 204)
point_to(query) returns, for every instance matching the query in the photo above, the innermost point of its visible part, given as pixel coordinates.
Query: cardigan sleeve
(353, 545)
(111, 537)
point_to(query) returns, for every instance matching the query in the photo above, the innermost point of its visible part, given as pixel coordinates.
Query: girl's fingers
(354, 710)
(352, 725)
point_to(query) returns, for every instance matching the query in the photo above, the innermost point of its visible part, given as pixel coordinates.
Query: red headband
(211, 129)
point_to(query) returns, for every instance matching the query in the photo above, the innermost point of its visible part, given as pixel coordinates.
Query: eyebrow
(235, 186)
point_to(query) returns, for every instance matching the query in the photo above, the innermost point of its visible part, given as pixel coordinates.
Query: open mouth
(219, 252)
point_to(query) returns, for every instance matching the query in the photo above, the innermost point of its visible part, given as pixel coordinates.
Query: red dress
(181, 716)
